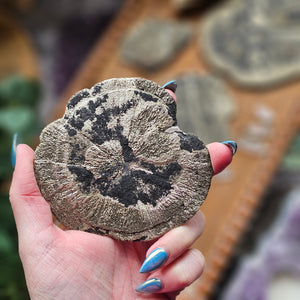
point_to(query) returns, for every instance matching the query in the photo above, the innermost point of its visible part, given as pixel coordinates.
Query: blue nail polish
(152, 285)
(14, 149)
(154, 260)
(232, 145)
(171, 85)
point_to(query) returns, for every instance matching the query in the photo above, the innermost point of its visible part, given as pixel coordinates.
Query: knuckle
(188, 275)
(198, 220)
(184, 279)
(198, 261)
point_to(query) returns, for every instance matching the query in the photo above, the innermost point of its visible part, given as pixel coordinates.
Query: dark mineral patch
(83, 176)
(190, 142)
(77, 98)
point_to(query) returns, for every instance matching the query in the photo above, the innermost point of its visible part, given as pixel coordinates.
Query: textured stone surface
(154, 42)
(116, 163)
(205, 107)
(256, 42)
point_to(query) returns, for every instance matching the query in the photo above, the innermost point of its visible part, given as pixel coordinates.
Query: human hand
(73, 264)
(69, 264)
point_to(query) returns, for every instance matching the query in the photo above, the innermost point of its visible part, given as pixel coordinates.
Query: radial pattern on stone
(255, 42)
(117, 164)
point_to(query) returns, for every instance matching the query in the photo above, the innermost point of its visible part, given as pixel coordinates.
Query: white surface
(284, 287)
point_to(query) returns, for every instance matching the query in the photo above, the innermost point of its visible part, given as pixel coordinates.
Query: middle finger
(175, 242)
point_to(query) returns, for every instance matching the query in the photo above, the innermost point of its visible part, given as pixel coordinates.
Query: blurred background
(237, 65)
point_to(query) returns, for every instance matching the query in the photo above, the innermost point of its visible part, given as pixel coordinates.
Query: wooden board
(230, 203)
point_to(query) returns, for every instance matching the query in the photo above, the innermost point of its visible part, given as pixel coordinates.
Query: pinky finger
(176, 276)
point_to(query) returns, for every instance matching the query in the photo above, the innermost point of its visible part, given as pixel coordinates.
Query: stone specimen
(154, 42)
(117, 163)
(204, 106)
(255, 42)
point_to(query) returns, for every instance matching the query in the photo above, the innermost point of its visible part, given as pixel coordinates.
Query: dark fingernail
(154, 260)
(15, 142)
(232, 145)
(171, 85)
(152, 285)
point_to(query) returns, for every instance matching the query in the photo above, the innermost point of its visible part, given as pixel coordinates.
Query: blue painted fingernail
(15, 142)
(154, 260)
(152, 285)
(232, 145)
(171, 85)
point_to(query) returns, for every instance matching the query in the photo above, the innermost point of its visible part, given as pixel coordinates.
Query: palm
(78, 265)
(74, 264)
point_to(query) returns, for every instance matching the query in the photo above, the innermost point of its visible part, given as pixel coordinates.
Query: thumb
(31, 211)
(221, 155)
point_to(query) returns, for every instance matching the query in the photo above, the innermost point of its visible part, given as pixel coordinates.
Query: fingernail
(232, 145)
(15, 142)
(171, 85)
(152, 285)
(154, 260)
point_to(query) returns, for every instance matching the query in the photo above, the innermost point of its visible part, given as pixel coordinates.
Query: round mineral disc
(117, 163)
(255, 42)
